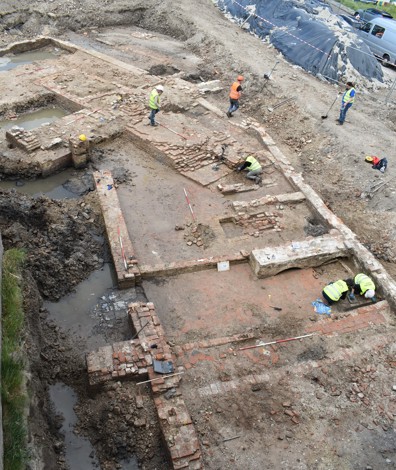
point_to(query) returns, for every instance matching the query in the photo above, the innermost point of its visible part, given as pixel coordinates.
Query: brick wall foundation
(133, 359)
(122, 251)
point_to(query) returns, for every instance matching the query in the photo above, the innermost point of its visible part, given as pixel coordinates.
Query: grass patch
(12, 364)
(358, 5)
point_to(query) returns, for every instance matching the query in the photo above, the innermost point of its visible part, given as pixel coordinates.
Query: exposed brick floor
(363, 317)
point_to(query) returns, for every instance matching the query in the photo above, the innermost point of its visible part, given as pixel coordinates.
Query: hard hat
(369, 159)
(369, 294)
(240, 78)
(82, 137)
(159, 88)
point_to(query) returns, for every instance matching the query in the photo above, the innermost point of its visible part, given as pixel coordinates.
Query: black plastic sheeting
(305, 40)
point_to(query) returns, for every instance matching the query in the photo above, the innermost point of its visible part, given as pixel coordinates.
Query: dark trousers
(153, 112)
(327, 298)
(356, 289)
(234, 105)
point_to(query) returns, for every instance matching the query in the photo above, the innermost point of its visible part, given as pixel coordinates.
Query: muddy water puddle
(96, 310)
(35, 119)
(13, 61)
(75, 312)
(51, 186)
(79, 453)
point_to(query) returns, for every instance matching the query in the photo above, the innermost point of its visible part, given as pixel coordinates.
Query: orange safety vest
(234, 94)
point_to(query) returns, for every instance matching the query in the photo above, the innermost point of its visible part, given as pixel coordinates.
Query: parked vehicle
(380, 35)
(352, 21)
(373, 2)
(370, 13)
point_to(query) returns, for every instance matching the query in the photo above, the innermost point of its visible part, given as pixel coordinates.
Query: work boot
(258, 180)
(155, 124)
(229, 114)
(339, 123)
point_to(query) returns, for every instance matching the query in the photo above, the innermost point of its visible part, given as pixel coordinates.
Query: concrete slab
(297, 254)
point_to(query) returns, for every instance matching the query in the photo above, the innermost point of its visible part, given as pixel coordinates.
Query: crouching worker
(364, 285)
(337, 290)
(253, 168)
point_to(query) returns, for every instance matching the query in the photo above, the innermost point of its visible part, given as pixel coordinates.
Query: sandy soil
(200, 42)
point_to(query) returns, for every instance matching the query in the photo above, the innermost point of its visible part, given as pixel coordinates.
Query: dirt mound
(30, 19)
(63, 240)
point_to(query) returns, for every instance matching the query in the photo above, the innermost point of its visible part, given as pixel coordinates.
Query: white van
(380, 35)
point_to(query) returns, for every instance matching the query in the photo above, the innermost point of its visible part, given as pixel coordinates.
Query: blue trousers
(252, 175)
(234, 105)
(153, 112)
(343, 112)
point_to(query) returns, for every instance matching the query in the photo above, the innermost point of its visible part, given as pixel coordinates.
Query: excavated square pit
(35, 119)
(16, 59)
(208, 304)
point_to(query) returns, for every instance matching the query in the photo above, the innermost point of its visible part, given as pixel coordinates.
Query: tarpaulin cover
(320, 43)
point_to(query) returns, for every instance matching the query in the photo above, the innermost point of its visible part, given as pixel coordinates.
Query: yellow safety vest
(336, 289)
(364, 282)
(153, 103)
(347, 98)
(254, 164)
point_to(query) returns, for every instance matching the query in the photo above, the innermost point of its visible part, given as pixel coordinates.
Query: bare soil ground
(64, 246)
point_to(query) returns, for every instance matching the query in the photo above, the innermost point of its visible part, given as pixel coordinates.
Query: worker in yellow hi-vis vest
(155, 103)
(364, 285)
(253, 168)
(337, 290)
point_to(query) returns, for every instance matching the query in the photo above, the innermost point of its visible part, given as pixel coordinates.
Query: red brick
(197, 455)
(179, 465)
(186, 449)
(159, 381)
(144, 314)
(274, 358)
(158, 401)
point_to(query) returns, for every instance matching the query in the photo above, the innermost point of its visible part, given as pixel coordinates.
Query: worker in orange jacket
(235, 94)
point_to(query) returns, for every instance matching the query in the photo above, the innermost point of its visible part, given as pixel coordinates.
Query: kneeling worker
(364, 285)
(253, 167)
(337, 290)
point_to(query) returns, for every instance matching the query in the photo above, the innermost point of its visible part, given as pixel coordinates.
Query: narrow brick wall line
(134, 359)
(177, 428)
(121, 248)
(213, 343)
(180, 267)
(247, 381)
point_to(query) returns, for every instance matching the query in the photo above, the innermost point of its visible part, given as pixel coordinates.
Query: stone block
(302, 254)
